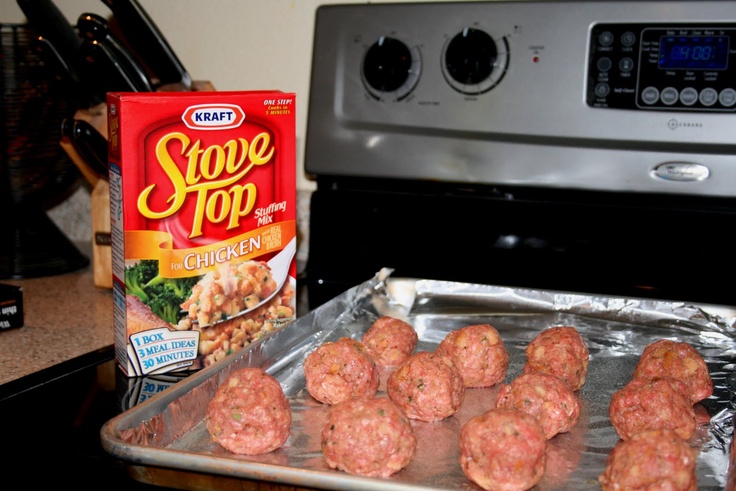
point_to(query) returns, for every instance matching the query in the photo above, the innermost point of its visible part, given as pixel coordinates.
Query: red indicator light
(535, 59)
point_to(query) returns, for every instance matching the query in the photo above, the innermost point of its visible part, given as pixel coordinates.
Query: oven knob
(390, 69)
(473, 62)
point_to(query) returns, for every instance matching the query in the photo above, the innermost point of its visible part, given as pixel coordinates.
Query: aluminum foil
(168, 430)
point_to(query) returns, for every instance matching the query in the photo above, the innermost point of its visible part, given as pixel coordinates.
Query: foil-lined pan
(167, 432)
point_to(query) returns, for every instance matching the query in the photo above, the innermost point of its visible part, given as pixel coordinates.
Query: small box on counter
(203, 224)
(11, 306)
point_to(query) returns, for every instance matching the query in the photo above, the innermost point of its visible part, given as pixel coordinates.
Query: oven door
(616, 244)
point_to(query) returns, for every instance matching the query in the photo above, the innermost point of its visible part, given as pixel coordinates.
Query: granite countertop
(66, 319)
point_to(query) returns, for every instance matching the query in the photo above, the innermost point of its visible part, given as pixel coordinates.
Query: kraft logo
(213, 116)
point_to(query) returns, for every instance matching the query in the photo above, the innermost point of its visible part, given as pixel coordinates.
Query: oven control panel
(605, 95)
(677, 67)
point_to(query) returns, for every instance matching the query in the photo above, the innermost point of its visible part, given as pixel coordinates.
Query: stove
(584, 146)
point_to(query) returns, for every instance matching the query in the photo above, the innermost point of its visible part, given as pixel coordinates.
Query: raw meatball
(390, 341)
(339, 370)
(644, 404)
(503, 450)
(478, 352)
(652, 459)
(426, 387)
(249, 413)
(545, 397)
(369, 437)
(665, 358)
(559, 351)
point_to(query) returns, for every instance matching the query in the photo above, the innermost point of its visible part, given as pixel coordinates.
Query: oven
(582, 146)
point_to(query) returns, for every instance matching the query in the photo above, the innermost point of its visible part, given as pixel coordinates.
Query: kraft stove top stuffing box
(583, 146)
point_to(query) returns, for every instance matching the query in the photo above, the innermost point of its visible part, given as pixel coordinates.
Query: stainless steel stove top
(603, 96)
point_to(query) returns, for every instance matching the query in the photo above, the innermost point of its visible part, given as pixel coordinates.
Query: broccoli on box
(202, 201)
(163, 295)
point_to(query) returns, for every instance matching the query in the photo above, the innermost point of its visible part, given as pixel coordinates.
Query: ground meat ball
(545, 397)
(390, 341)
(426, 387)
(478, 352)
(249, 413)
(653, 459)
(339, 370)
(369, 437)
(652, 404)
(503, 450)
(559, 351)
(665, 358)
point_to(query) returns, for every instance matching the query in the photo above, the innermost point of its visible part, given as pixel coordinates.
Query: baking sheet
(168, 429)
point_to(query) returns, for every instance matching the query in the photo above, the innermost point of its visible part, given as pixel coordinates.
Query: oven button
(604, 64)
(472, 61)
(669, 96)
(727, 97)
(628, 38)
(626, 64)
(689, 96)
(605, 38)
(708, 96)
(681, 171)
(650, 95)
(602, 90)
(390, 69)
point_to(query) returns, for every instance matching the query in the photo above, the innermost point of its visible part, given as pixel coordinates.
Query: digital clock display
(693, 52)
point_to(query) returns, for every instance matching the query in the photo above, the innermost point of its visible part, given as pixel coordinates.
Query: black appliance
(35, 172)
(585, 146)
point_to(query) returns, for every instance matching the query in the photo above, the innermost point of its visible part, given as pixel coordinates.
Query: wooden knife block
(100, 196)
(101, 238)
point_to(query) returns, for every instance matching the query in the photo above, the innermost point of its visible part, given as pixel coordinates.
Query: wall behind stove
(235, 44)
